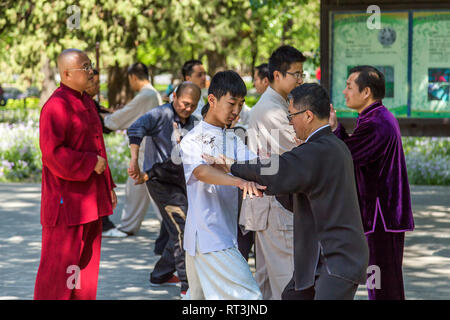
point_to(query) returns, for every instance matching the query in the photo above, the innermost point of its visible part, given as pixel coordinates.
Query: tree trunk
(119, 91)
(216, 62)
(287, 27)
(254, 51)
(48, 84)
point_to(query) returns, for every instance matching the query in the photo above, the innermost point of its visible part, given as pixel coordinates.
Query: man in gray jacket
(137, 200)
(269, 133)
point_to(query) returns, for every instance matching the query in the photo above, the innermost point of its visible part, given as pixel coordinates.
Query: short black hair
(263, 70)
(225, 82)
(282, 58)
(204, 110)
(311, 96)
(371, 77)
(139, 69)
(188, 67)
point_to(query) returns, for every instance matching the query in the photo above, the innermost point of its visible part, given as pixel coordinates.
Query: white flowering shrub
(427, 159)
(20, 155)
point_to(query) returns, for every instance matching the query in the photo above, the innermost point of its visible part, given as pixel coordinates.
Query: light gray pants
(220, 275)
(137, 202)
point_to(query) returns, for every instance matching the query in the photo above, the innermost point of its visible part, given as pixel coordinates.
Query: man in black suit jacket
(330, 250)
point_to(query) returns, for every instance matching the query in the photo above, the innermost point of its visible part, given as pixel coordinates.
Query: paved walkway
(126, 263)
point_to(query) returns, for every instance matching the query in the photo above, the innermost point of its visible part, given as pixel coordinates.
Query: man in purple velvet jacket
(381, 177)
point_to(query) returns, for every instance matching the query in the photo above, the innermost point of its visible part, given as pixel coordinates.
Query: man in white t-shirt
(215, 268)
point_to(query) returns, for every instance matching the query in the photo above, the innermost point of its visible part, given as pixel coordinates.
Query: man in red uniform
(77, 186)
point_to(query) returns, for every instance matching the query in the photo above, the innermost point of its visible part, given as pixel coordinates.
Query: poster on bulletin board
(430, 64)
(412, 50)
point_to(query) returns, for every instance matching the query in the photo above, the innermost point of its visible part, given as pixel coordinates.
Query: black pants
(173, 209)
(326, 287)
(161, 241)
(107, 224)
(245, 242)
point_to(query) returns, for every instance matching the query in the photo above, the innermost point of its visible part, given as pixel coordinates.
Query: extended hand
(251, 188)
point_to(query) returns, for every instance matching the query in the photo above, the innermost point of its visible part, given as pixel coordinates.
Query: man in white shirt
(269, 133)
(215, 268)
(137, 200)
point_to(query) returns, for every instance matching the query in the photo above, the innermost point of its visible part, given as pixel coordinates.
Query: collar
(374, 105)
(69, 89)
(270, 91)
(208, 126)
(322, 127)
(146, 86)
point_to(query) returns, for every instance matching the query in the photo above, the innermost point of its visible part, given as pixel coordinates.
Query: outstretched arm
(212, 175)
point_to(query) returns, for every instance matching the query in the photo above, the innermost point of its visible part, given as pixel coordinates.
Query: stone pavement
(126, 263)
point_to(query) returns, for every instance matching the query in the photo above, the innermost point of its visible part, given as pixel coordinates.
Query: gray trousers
(137, 203)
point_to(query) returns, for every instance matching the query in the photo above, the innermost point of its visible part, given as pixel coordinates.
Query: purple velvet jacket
(380, 169)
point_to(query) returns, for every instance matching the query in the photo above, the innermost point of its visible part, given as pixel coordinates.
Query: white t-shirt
(212, 209)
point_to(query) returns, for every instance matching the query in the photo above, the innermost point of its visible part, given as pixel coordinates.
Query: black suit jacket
(326, 210)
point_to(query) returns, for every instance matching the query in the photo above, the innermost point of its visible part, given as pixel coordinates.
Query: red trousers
(70, 261)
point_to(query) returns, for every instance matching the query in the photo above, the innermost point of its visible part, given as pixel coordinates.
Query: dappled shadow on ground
(126, 263)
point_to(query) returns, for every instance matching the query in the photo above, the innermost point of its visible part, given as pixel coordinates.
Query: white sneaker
(114, 233)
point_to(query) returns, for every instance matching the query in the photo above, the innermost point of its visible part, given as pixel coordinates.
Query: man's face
(133, 81)
(299, 121)
(94, 86)
(185, 104)
(198, 76)
(78, 78)
(260, 84)
(290, 81)
(353, 98)
(226, 109)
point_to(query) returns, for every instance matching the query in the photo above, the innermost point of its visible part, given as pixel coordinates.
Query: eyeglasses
(291, 115)
(297, 75)
(86, 68)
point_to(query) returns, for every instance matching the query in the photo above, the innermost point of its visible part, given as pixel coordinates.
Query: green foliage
(163, 34)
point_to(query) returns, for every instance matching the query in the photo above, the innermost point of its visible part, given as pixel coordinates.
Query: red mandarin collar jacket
(70, 138)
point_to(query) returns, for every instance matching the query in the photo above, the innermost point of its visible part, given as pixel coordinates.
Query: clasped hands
(223, 164)
(135, 173)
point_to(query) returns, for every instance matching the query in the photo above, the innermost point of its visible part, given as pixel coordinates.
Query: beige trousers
(274, 243)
